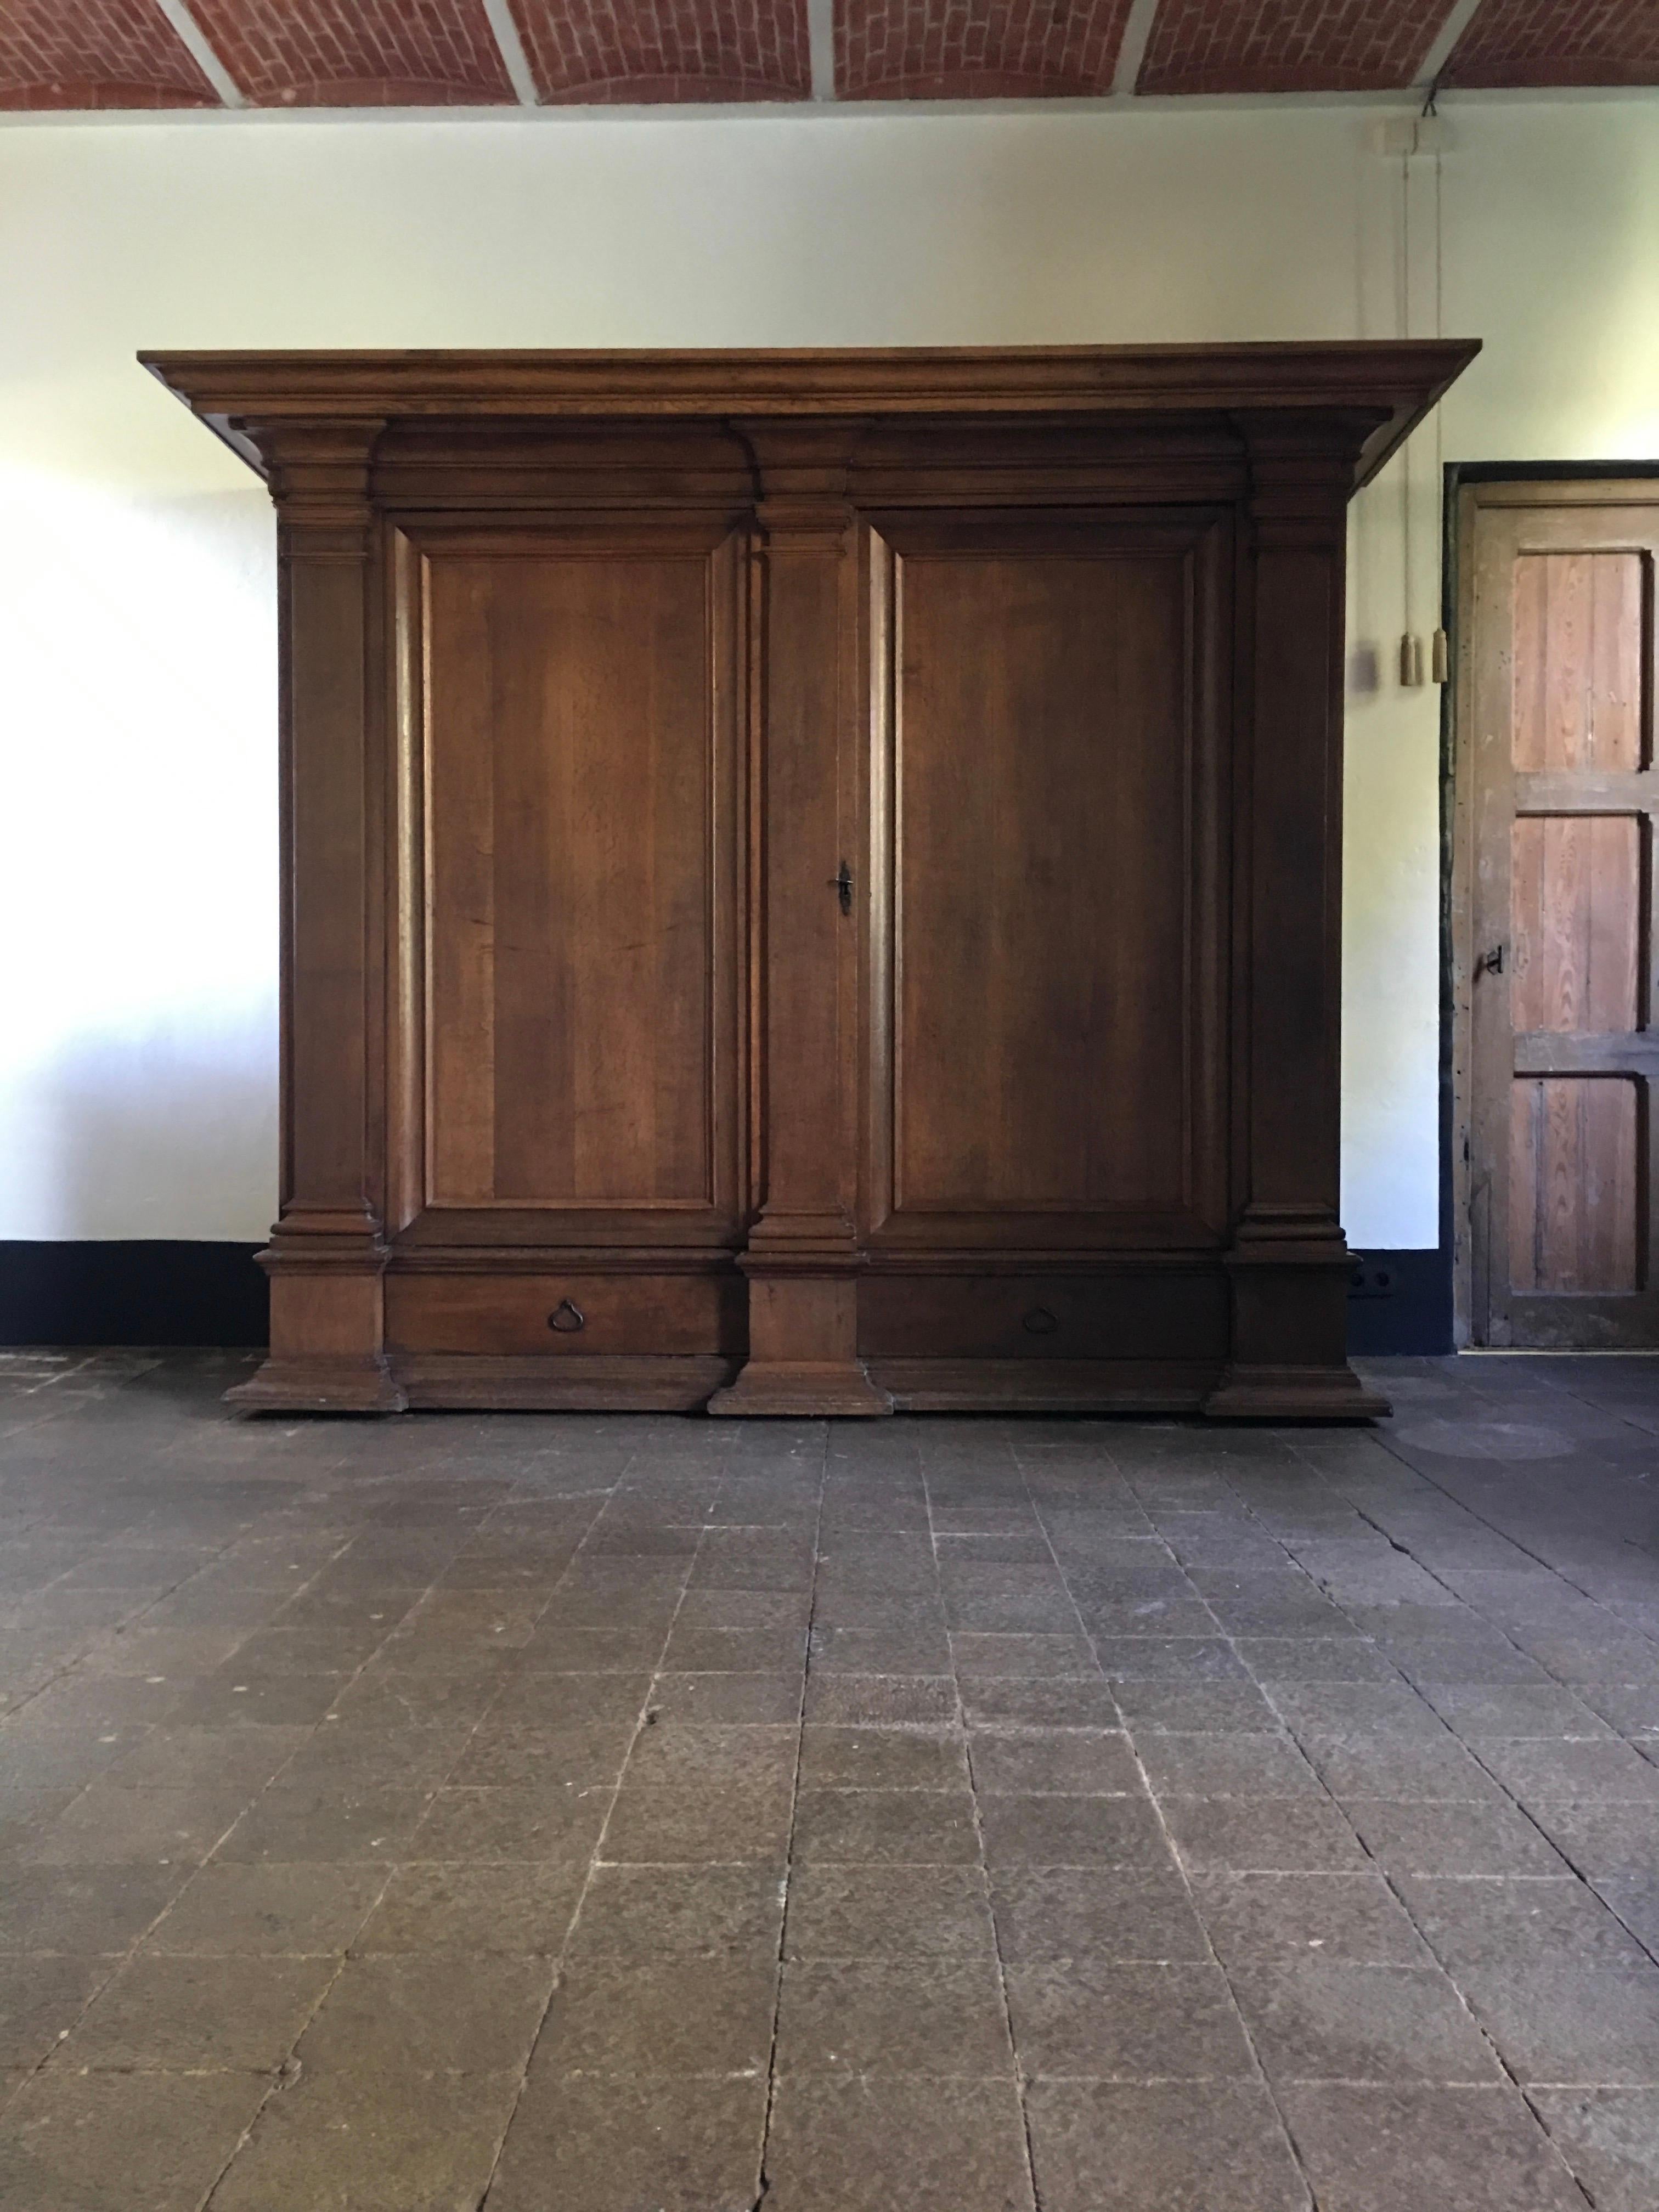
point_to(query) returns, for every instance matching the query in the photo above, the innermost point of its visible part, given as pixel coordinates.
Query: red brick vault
(140, 54)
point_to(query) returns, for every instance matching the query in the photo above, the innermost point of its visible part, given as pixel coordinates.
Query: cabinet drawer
(1162, 1315)
(559, 1315)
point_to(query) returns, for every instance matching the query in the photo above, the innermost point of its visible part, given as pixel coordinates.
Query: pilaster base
(316, 1383)
(1249, 1393)
(803, 1389)
(803, 1351)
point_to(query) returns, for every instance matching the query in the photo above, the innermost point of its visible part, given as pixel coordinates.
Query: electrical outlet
(1368, 1279)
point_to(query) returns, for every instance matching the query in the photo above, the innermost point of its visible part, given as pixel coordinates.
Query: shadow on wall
(155, 1134)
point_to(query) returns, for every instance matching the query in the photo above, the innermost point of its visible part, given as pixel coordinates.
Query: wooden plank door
(1559, 963)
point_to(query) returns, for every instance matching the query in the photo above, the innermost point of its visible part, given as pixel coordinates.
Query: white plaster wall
(137, 880)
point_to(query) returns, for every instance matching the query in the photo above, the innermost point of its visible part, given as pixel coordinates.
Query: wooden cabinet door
(569, 1011)
(1562, 982)
(1048, 785)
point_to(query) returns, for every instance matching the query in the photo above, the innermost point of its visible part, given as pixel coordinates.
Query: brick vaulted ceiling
(151, 54)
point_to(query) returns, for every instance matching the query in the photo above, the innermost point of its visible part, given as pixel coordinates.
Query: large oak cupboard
(812, 879)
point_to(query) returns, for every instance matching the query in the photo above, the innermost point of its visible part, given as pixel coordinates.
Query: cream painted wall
(137, 887)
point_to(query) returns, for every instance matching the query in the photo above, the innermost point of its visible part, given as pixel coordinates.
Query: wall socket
(1369, 1279)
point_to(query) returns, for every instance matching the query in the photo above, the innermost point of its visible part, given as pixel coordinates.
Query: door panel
(1561, 799)
(1047, 741)
(579, 855)
(1575, 906)
(1573, 1183)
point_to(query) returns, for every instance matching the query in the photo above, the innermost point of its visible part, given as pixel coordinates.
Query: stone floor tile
(838, 1911)
(1275, 1659)
(1033, 1830)
(351, 2141)
(647, 1912)
(698, 1823)
(1087, 2020)
(1182, 1659)
(885, 2016)
(1194, 1709)
(1610, 2139)
(1261, 1835)
(740, 1756)
(1434, 1769)
(1037, 1701)
(712, 2014)
(875, 2143)
(1090, 1762)
(1226, 1766)
(1047, 1915)
(1517, 1709)
(1570, 1772)
(182, 2013)
(881, 1759)
(606, 2144)
(42, 1996)
(151, 1827)
(72, 2142)
(1162, 2147)
(1563, 2020)
(1429, 1838)
(1402, 2148)
(1354, 1917)
(90, 1910)
(869, 1826)
(1512, 1922)
(206, 1758)
(732, 1651)
(1318, 2018)
(1631, 1708)
(730, 1700)
(338, 1825)
(550, 1820)
(860, 1700)
(422, 2014)
(509, 1909)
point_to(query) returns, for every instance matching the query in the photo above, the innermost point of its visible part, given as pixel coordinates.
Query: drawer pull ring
(1040, 1322)
(565, 1318)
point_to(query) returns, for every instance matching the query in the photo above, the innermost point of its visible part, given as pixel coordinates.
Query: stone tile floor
(588, 1814)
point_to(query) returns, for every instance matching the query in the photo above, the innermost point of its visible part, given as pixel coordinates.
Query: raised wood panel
(1574, 1165)
(1164, 1315)
(1051, 907)
(1580, 630)
(568, 1315)
(1575, 893)
(579, 836)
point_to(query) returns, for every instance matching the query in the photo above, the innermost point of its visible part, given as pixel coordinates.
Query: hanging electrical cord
(1439, 654)
(1411, 645)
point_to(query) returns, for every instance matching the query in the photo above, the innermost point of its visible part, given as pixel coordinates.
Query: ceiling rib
(1132, 50)
(193, 35)
(1456, 22)
(820, 47)
(514, 60)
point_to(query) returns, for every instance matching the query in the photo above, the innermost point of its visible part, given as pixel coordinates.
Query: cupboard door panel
(579, 855)
(1054, 936)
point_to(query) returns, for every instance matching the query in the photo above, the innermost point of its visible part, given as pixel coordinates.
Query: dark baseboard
(161, 1292)
(132, 1292)
(1401, 1302)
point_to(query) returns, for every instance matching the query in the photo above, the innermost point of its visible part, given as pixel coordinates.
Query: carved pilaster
(802, 1255)
(1289, 1262)
(327, 1256)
